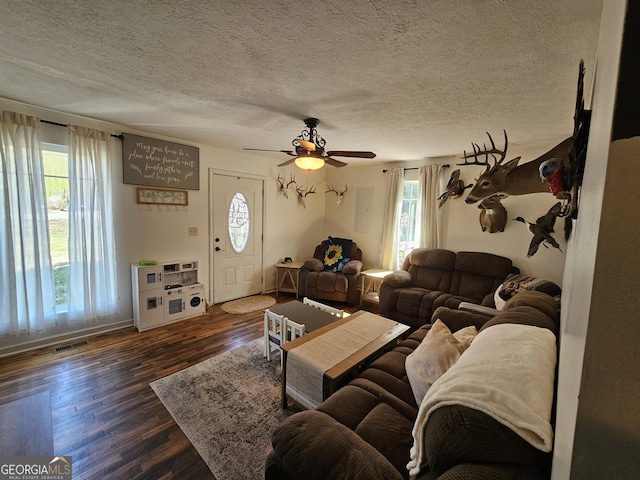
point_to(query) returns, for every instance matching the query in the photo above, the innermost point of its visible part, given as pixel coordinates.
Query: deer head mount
(284, 187)
(493, 215)
(340, 193)
(509, 178)
(303, 192)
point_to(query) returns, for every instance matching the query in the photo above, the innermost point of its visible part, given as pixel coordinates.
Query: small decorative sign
(162, 196)
(158, 163)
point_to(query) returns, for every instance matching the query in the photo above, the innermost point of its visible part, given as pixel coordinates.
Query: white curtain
(27, 294)
(428, 212)
(92, 280)
(388, 259)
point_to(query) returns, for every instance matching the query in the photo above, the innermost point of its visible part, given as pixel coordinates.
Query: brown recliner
(318, 279)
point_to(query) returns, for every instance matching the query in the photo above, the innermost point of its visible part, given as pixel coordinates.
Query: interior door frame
(230, 173)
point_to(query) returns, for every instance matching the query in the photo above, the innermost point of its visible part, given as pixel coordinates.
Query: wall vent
(64, 348)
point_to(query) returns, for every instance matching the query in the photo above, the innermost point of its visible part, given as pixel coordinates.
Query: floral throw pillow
(335, 258)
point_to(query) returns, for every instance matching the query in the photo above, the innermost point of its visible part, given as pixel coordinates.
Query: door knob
(218, 249)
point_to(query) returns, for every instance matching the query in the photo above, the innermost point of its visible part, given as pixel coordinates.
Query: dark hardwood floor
(104, 413)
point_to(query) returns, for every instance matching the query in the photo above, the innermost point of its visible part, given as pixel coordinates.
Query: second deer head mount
(493, 215)
(340, 193)
(303, 192)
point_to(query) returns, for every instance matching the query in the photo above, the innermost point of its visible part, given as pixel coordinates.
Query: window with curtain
(411, 218)
(56, 179)
(57, 251)
(408, 233)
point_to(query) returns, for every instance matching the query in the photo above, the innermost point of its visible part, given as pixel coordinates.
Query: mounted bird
(552, 173)
(455, 188)
(542, 230)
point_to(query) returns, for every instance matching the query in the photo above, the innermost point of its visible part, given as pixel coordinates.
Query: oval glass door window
(239, 222)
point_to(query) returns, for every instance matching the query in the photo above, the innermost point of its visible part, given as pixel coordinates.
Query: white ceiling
(405, 79)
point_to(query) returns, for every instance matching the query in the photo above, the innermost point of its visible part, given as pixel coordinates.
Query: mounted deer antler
(340, 194)
(282, 188)
(302, 193)
(293, 180)
(493, 151)
(510, 178)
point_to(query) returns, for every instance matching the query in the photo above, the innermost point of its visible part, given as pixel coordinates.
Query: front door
(236, 236)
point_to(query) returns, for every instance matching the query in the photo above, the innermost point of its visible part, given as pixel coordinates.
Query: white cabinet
(166, 293)
(149, 278)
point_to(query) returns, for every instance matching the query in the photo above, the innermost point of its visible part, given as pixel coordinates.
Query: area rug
(227, 406)
(248, 304)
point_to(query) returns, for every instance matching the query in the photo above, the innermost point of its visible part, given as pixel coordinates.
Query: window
(56, 243)
(239, 222)
(407, 225)
(56, 172)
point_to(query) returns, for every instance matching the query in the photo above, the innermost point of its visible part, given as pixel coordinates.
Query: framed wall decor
(162, 196)
(158, 163)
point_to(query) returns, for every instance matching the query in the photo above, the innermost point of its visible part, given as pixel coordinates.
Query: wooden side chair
(279, 330)
(274, 332)
(327, 308)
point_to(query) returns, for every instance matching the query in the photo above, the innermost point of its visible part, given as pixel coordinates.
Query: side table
(287, 275)
(370, 280)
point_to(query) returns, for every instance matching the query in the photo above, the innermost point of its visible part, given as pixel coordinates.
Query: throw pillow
(436, 353)
(337, 254)
(515, 283)
(466, 335)
(497, 299)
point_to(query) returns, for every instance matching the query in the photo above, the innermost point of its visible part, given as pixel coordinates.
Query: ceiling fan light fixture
(309, 162)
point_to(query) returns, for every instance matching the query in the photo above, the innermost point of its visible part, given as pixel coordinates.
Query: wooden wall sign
(162, 196)
(158, 163)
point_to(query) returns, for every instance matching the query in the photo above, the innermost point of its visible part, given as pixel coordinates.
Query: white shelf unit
(166, 293)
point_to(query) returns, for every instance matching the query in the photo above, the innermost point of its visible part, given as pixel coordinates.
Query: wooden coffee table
(320, 362)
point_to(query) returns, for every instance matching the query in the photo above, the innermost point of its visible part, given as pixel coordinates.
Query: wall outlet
(193, 231)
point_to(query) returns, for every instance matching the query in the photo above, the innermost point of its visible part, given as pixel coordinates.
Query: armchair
(333, 272)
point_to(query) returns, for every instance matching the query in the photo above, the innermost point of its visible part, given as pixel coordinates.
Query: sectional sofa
(375, 428)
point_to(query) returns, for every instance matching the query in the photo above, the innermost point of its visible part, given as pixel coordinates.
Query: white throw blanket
(508, 373)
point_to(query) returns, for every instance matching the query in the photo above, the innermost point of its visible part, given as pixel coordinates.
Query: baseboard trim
(63, 338)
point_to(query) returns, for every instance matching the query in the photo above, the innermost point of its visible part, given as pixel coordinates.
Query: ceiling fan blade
(334, 163)
(283, 164)
(346, 153)
(288, 152)
(307, 145)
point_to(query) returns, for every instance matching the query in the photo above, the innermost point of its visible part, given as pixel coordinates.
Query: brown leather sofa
(432, 278)
(364, 430)
(339, 286)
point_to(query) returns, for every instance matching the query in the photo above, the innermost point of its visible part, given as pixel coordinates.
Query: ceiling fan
(309, 153)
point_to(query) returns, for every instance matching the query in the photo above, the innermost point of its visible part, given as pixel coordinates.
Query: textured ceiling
(405, 79)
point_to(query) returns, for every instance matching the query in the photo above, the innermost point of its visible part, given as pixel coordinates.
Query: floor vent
(64, 348)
